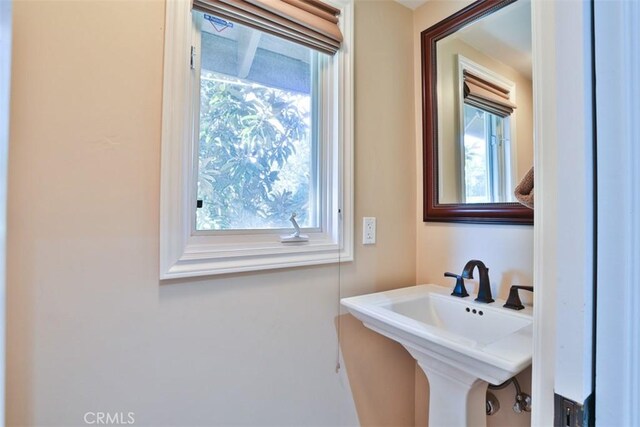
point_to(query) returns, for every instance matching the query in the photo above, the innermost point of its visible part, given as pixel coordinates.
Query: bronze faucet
(484, 288)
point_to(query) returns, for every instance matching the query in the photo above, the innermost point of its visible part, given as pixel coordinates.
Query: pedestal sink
(461, 345)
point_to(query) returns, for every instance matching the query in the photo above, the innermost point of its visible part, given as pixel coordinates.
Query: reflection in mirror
(484, 104)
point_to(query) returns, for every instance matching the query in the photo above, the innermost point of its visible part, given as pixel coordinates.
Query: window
(487, 133)
(258, 144)
(256, 127)
(485, 147)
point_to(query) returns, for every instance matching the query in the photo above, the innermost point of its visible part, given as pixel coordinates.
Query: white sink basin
(460, 344)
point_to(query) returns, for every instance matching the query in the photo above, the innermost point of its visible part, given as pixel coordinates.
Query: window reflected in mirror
(485, 144)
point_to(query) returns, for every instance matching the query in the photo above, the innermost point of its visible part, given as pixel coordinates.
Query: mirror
(478, 113)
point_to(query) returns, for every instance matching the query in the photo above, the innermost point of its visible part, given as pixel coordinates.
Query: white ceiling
(504, 35)
(412, 4)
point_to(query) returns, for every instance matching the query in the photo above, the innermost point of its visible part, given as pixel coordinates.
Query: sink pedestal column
(456, 398)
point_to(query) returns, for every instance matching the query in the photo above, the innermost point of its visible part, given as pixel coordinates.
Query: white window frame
(187, 253)
(491, 76)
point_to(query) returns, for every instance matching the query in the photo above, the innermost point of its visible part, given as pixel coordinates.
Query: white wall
(91, 328)
(563, 310)
(564, 259)
(617, 63)
(575, 201)
(546, 256)
(506, 250)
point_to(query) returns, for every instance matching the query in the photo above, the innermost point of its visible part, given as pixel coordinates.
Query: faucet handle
(513, 302)
(459, 290)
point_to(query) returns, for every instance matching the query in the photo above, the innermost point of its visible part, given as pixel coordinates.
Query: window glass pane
(476, 160)
(258, 157)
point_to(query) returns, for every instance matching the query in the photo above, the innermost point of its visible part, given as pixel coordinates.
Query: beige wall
(90, 328)
(507, 250)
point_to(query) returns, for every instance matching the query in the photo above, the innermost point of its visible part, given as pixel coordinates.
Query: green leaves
(254, 155)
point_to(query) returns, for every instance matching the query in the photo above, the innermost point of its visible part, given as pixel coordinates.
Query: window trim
(184, 253)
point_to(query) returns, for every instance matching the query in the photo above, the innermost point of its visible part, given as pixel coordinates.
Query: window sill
(207, 259)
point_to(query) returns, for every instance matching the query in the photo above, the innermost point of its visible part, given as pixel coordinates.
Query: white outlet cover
(368, 230)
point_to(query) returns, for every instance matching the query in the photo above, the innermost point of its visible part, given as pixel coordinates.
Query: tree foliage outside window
(255, 156)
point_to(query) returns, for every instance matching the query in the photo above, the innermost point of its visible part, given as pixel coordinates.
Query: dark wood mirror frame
(492, 213)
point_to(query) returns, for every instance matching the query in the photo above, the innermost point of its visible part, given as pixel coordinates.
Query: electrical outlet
(368, 230)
